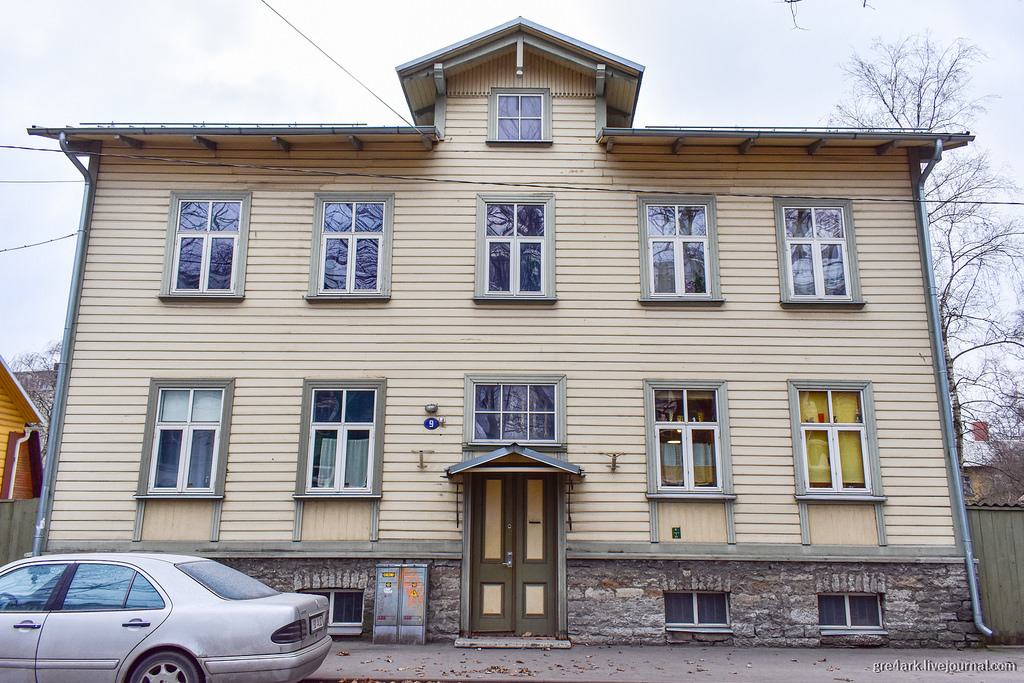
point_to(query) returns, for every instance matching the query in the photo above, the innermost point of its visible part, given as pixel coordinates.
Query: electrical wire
(338, 64)
(37, 244)
(490, 183)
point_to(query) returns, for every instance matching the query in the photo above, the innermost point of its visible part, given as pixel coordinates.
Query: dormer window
(519, 115)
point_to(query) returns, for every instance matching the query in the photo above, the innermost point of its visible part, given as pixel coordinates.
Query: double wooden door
(513, 554)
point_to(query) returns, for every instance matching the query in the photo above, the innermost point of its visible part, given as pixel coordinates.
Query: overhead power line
(486, 183)
(37, 244)
(338, 64)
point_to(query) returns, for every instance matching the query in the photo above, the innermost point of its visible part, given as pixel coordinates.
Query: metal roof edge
(879, 134)
(236, 130)
(518, 22)
(550, 461)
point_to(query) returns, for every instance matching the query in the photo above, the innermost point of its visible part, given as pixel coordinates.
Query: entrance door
(513, 567)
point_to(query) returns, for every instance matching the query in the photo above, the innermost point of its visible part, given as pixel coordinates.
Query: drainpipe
(29, 429)
(946, 412)
(60, 396)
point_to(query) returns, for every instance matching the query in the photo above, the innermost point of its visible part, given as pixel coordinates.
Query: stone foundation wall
(771, 604)
(443, 591)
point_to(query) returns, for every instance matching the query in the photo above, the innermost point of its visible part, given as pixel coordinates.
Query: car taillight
(292, 633)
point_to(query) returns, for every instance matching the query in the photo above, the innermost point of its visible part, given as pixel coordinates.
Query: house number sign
(431, 423)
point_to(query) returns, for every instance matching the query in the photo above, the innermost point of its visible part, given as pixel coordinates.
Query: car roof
(139, 559)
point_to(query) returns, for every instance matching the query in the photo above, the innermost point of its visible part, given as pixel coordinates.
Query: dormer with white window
(521, 68)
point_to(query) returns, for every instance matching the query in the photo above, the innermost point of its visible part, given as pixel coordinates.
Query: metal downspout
(56, 433)
(939, 354)
(29, 430)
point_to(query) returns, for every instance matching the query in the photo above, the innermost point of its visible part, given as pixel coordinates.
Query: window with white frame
(685, 428)
(186, 440)
(206, 244)
(352, 246)
(846, 612)
(696, 610)
(345, 612)
(817, 254)
(515, 247)
(834, 440)
(519, 115)
(341, 445)
(506, 409)
(679, 248)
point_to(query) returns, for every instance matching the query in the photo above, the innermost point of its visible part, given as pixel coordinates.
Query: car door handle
(136, 623)
(28, 624)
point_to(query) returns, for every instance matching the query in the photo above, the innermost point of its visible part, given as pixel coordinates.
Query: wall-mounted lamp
(430, 408)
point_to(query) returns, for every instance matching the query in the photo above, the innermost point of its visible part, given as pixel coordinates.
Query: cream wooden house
(611, 384)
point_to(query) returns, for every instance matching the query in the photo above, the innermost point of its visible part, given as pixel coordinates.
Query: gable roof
(10, 385)
(527, 457)
(424, 79)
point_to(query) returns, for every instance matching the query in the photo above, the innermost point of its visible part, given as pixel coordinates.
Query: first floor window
(850, 612)
(506, 409)
(816, 250)
(685, 431)
(833, 440)
(342, 437)
(695, 610)
(188, 426)
(206, 241)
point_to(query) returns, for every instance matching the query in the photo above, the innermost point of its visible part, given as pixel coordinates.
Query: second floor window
(206, 246)
(817, 256)
(515, 247)
(350, 246)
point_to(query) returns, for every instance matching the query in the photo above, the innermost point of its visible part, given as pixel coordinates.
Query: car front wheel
(166, 667)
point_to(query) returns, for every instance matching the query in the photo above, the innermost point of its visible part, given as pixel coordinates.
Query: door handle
(28, 624)
(136, 623)
(508, 559)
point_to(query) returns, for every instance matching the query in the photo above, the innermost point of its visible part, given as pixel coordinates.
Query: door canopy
(514, 458)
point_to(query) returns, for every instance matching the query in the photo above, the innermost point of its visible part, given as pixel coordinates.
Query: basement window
(696, 611)
(850, 613)
(346, 611)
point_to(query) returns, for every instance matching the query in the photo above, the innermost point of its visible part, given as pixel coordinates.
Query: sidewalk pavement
(359, 660)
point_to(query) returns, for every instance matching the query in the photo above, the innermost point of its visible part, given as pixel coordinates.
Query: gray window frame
(383, 293)
(492, 116)
(804, 492)
(469, 409)
(167, 285)
(654, 488)
(375, 470)
(714, 282)
(853, 296)
(219, 472)
(481, 294)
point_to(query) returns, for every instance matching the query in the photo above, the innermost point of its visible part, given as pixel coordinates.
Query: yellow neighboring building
(20, 462)
(610, 384)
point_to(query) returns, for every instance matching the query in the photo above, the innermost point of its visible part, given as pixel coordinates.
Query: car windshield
(225, 582)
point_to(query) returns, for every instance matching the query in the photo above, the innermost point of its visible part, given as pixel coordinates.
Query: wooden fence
(17, 526)
(998, 537)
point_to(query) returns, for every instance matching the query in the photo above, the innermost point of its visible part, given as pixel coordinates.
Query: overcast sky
(708, 63)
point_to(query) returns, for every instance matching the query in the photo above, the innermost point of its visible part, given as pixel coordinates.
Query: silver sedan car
(148, 618)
